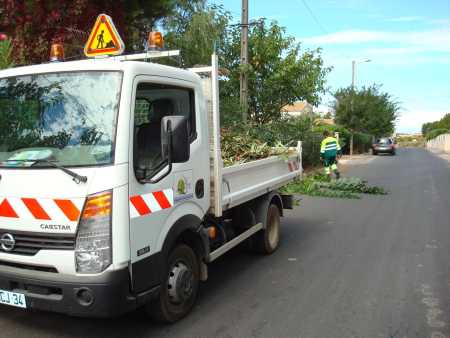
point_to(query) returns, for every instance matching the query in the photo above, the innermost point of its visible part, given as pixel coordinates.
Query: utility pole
(353, 74)
(244, 61)
(351, 102)
(353, 93)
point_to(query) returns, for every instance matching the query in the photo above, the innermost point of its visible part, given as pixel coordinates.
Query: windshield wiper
(75, 177)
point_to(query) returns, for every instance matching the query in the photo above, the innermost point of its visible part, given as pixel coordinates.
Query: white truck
(113, 195)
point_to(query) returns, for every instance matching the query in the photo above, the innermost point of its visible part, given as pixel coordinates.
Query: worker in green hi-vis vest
(329, 151)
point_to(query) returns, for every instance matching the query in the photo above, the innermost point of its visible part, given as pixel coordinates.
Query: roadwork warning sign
(104, 38)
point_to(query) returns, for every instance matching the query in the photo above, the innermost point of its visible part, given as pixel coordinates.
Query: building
(299, 108)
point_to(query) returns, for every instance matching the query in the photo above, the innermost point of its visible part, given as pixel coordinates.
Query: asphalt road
(375, 267)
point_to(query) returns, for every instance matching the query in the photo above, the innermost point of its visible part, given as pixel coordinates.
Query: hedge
(436, 132)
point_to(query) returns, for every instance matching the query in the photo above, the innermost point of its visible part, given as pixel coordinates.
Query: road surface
(376, 267)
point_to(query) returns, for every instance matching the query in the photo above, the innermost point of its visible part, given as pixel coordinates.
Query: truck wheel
(266, 241)
(179, 288)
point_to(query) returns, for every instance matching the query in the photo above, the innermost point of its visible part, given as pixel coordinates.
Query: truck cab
(81, 241)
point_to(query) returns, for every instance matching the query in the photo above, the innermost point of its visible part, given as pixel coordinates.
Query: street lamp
(354, 63)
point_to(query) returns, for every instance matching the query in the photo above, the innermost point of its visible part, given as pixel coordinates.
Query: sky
(408, 43)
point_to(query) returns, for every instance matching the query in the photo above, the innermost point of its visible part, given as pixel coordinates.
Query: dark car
(384, 145)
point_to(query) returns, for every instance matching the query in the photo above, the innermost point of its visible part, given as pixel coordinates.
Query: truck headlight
(93, 249)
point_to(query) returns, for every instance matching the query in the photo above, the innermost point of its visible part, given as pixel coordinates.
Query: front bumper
(46, 291)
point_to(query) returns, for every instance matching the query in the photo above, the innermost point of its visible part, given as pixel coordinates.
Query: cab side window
(153, 102)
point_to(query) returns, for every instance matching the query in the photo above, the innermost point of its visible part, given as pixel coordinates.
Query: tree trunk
(351, 145)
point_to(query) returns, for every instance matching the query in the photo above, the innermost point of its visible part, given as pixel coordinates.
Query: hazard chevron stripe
(43, 209)
(142, 205)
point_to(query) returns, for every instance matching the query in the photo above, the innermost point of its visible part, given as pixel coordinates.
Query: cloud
(434, 37)
(406, 19)
(411, 121)
(394, 50)
(385, 42)
(348, 4)
(445, 22)
(345, 37)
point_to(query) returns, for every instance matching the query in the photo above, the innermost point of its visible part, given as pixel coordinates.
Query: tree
(367, 110)
(279, 73)
(34, 25)
(442, 124)
(196, 31)
(182, 15)
(5, 53)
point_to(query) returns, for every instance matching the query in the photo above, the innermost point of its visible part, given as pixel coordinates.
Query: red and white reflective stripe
(293, 166)
(44, 209)
(141, 205)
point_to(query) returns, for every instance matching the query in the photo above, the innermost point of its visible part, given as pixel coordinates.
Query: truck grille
(29, 243)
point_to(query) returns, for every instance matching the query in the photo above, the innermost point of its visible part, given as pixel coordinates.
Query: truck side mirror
(175, 139)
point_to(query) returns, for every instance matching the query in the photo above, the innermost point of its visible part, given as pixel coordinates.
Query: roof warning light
(155, 41)
(56, 52)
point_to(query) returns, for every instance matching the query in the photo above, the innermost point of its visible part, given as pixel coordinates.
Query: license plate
(13, 299)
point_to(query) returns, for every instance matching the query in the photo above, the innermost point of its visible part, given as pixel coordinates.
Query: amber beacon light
(155, 41)
(56, 52)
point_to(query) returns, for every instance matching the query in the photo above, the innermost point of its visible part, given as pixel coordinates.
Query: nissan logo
(7, 242)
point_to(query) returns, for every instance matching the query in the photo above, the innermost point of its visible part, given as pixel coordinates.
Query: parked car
(384, 145)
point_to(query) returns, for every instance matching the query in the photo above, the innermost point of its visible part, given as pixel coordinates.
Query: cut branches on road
(320, 185)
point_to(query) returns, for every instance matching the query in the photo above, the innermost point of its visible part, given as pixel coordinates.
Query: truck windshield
(68, 118)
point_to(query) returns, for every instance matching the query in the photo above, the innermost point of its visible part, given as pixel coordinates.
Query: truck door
(151, 204)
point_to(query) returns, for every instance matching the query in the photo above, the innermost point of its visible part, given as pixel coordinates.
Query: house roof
(296, 107)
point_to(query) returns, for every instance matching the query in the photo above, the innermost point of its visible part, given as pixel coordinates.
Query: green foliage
(139, 18)
(344, 134)
(321, 185)
(436, 132)
(367, 110)
(432, 129)
(279, 72)
(361, 141)
(6, 54)
(34, 25)
(410, 141)
(240, 146)
(353, 185)
(196, 31)
(289, 130)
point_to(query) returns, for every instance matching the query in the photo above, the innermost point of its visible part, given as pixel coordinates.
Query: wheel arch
(187, 230)
(261, 205)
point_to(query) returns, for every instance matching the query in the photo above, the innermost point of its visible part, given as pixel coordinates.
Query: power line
(313, 16)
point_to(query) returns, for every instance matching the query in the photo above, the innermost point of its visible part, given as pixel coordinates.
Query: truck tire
(179, 288)
(266, 241)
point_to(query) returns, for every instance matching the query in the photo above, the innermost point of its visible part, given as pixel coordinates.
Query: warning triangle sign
(104, 38)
